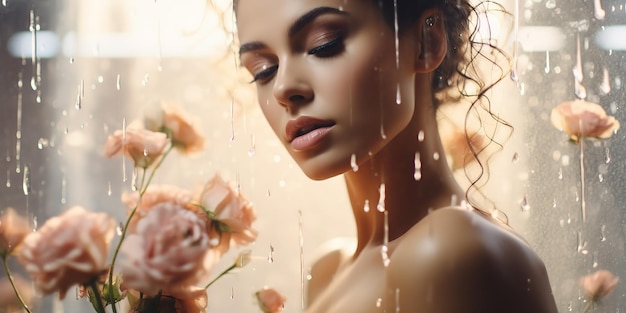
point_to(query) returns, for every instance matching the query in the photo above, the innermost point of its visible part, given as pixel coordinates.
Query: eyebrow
(297, 26)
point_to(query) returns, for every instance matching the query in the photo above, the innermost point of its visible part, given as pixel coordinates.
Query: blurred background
(73, 72)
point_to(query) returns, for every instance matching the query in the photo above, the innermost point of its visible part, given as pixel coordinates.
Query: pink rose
(68, 249)
(230, 208)
(583, 119)
(270, 300)
(185, 135)
(13, 229)
(141, 145)
(457, 147)
(8, 300)
(154, 195)
(166, 252)
(598, 284)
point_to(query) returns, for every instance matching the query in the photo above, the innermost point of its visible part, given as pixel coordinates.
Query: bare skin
(334, 61)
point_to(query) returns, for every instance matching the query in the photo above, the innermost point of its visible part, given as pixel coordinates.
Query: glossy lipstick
(306, 132)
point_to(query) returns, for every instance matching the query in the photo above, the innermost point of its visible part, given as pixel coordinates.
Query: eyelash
(325, 50)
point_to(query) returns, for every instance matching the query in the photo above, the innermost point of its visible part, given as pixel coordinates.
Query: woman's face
(327, 78)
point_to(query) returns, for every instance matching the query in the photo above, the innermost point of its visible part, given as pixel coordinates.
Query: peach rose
(230, 208)
(270, 300)
(583, 119)
(458, 150)
(598, 284)
(8, 300)
(154, 195)
(13, 229)
(141, 145)
(185, 135)
(68, 249)
(166, 252)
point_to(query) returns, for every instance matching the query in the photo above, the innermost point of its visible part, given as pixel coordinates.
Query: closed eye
(264, 75)
(328, 49)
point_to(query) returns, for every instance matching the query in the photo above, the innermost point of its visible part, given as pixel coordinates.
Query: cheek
(271, 111)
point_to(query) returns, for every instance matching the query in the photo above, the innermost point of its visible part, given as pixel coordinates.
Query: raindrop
(397, 41)
(366, 206)
(353, 164)
(436, 156)
(4, 3)
(605, 85)
(118, 85)
(418, 167)
(550, 4)
(78, 104)
(270, 257)
(382, 132)
(420, 136)
(579, 89)
(513, 76)
(232, 289)
(600, 177)
(33, 83)
(379, 302)
(26, 181)
(398, 96)
(547, 68)
(100, 79)
(603, 233)
(8, 183)
(35, 223)
(581, 244)
(42, 143)
(554, 203)
(608, 156)
(515, 157)
(252, 146)
(145, 80)
(397, 300)
(595, 260)
(381, 198)
(63, 189)
(119, 230)
(598, 11)
(71, 60)
(560, 173)
(524, 205)
(109, 191)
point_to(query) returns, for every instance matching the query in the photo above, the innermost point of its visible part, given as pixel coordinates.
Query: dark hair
(459, 67)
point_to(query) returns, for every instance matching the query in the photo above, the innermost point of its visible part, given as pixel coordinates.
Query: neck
(409, 194)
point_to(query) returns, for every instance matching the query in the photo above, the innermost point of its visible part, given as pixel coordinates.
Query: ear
(431, 41)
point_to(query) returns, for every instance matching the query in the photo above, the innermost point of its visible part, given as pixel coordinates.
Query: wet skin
(327, 80)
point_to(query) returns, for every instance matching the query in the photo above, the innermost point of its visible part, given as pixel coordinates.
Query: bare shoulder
(328, 259)
(455, 260)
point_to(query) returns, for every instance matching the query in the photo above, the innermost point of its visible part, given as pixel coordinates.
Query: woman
(350, 82)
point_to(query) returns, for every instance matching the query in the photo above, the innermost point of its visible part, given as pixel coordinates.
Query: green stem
(17, 292)
(96, 294)
(142, 189)
(220, 275)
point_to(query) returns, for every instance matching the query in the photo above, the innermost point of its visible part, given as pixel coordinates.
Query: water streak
(395, 28)
(270, 256)
(547, 68)
(381, 198)
(598, 11)
(583, 208)
(26, 185)
(417, 175)
(605, 85)
(513, 75)
(579, 88)
(18, 132)
(353, 163)
(252, 149)
(118, 85)
(366, 206)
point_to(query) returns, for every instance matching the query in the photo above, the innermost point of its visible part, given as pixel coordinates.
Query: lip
(307, 126)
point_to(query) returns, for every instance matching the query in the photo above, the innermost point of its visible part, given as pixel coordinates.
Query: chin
(321, 171)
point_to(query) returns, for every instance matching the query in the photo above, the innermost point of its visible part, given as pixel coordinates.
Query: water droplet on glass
(600, 177)
(252, 146)
(366, 206)
(381, 198)
(35, 223)
(515, 157)
(605, 85)
(33, 83)
(603, 233)
(598, 11)
(436, 156)
(524, 205)
(379, 302)
(547, 68)
(560, 173)
(417, 175)
(4, 3)
(26, 187)
(118, 82)
(353, 164)
(78, 104)
(8, 183)
(270, 257)
(581, 245)
(119, 230)
(607, 160)
(550, 4)
(63, 189)
(398, 95)
(420, 136)
(382, 132)
(42, 143)
(594, 263)
(109, 191)
(71, 60)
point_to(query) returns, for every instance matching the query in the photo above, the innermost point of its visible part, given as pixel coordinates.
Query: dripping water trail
(124, 178)
(582, 180)
(232, 119)
(547, 68)
(579, 89)
(598, 11)
(513, 74)
(395, 28)
(18, 131)
(302, 274)
(605, 86)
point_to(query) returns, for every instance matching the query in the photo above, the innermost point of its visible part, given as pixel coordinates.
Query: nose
(291, 87)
